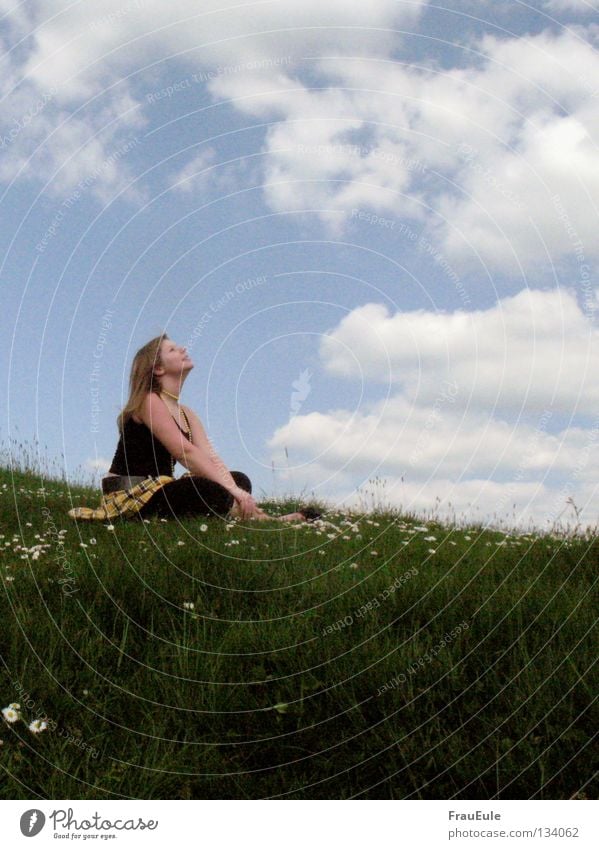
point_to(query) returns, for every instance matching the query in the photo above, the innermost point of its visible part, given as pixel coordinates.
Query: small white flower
(10, 715)
(86, 692)
(83, 545)
(37, 726)
(15, 706)
(432, 551)
(321, 551)
(180, 542)
(374, 553)
(110, 527)
(35, 555)
(430, 539)
(353, 565)
(331, 536)
(203, 528)
(467, 537)
(189, 605)
(92, 541)
(28, 524)
(146, 521)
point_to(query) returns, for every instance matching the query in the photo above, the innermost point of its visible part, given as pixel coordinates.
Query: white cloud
(498, 139)
(474, 413)
(527, 107)
(77, 48)
(95, 57)
(528, 352)
(420, 453)
(196, 173)
(518, 504)
(435, 440)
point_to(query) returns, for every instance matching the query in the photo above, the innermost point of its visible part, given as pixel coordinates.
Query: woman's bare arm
(198, 459)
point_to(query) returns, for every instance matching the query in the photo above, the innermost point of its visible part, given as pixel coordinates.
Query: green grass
(309, 667)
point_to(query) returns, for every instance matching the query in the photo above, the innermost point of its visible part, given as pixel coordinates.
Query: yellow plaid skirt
(122, 502)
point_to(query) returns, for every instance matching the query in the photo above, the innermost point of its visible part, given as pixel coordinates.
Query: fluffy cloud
(481, 152)
(78, 49)
(529, 352)
(474, 409)
(484, 152)
(99, 59)
(196, 173)
(411, 455)
(436, 440)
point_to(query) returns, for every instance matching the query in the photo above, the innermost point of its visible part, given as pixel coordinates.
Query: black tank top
(139, 452)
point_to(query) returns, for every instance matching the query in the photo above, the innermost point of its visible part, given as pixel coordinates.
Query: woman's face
(174, 358)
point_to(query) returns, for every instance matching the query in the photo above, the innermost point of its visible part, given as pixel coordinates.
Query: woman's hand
(246, 506)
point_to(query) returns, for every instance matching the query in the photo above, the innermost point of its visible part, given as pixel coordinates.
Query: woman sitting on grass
(155, 432)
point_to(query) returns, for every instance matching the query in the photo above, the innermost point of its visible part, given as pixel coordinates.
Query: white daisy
(37, 726)
(189, 605)
(203, 528)
(10, 715)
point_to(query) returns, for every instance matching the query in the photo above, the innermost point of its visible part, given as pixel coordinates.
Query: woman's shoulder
(144, 408)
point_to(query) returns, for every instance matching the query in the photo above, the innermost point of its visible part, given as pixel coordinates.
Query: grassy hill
(370, 656)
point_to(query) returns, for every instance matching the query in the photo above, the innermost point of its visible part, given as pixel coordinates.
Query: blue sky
(374, 225)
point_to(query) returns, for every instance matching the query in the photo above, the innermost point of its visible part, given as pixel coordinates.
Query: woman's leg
(192, 495)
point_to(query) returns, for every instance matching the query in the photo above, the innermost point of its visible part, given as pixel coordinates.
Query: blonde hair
(142, 378)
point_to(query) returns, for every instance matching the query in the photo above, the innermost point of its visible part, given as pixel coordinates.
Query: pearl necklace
(173, 461)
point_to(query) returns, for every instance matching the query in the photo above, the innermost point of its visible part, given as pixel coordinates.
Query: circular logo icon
(32, 822)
